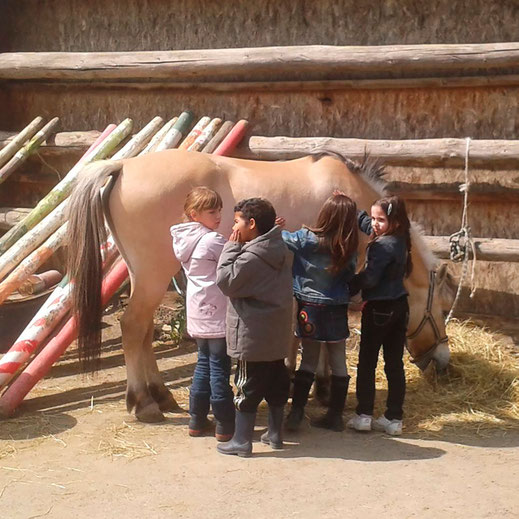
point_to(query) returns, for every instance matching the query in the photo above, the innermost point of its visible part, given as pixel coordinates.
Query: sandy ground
(73, 451)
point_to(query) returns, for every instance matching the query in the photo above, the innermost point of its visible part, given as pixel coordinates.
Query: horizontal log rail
(487, 249)
(309, 63)
(490, 154)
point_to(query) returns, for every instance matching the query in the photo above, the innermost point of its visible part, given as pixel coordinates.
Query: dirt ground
(73, 451)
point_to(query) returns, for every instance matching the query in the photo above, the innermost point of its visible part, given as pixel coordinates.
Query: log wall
(413, 113)
(107, 25)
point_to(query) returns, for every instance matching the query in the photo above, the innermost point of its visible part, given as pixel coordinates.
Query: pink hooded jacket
(198, 249)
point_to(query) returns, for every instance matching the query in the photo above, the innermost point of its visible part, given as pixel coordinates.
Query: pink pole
(233, 138)
(42, 363)
(106, 132)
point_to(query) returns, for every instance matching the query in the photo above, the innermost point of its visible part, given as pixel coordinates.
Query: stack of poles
(205, 137)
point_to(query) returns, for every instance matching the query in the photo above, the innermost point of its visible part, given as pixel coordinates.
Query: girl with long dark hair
(385, 314)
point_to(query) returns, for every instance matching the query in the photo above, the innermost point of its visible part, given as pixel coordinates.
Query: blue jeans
(210, 385)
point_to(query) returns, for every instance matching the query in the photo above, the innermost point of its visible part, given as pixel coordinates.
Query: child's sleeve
(364, 221)
(293, 240)
(216, 246)
(236, 271)
(377, 260)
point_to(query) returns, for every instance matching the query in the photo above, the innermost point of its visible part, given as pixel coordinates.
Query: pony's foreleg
(134, 326)
(160, 393)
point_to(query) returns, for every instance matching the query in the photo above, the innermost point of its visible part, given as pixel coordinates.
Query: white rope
(460, 241)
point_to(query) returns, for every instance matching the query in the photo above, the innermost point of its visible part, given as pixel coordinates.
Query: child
(254, 271)
(385, 315)
(324, 262)
(198, 246)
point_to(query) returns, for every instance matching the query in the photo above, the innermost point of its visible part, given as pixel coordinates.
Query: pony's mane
(373, 171)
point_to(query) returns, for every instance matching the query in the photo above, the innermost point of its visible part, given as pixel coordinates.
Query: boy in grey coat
(255, 272)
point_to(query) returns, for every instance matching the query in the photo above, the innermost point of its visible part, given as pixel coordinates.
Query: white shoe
(391, 427)
(360, 422)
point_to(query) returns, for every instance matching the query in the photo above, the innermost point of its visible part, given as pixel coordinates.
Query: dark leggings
(384, 323)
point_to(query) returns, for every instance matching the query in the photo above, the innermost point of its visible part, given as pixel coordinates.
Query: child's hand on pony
(280, 221)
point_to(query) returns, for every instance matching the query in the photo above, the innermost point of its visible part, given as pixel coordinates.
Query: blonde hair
(200, 199)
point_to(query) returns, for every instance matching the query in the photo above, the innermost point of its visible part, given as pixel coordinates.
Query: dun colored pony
(144, 196)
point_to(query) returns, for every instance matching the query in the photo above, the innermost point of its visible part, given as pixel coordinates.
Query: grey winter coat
(257, 278)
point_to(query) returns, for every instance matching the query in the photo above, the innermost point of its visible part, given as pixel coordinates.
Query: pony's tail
(86, 234)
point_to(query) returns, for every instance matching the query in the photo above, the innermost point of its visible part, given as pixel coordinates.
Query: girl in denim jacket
(324, 263)
(385, 314)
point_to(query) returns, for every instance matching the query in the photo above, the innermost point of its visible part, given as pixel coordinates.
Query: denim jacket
(312, 281)
(383, 275)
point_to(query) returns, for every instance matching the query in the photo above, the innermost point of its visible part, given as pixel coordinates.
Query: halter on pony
(425, 358)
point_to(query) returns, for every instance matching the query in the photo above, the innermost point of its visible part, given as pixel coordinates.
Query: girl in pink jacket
(198, 246)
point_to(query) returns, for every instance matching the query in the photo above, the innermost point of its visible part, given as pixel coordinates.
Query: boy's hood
(185, 238)
(270, 247)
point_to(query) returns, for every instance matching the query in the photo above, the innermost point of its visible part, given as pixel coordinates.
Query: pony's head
(429, 303)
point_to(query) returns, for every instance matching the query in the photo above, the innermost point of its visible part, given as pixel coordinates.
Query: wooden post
(219, 137)
(205, 135)
(17, 142)
(150, 147)
(175, 134)
(194, 133)
(137, 143)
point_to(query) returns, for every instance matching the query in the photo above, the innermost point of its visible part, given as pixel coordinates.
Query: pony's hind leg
(135, 327)
(160, 393)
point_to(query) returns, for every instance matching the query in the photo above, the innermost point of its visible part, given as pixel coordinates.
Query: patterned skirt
(322, 322)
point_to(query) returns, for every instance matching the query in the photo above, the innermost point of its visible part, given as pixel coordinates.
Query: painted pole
(12, 147)
(31, 263)
(32, 239)
(150, 147)
(194, 133)
(42, 363)
(174, 136)
(28, 149)
(233, 138)
(206, 135)
(218, 138)
(43, 323)
(63, 188)
(139, 140)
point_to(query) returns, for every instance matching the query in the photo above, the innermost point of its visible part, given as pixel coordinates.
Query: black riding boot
(274, 435)
(332, 419)
(241, 443)
(303, 381)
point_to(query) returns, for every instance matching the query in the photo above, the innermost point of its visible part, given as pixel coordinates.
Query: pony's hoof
(150, 413)
(165, 400)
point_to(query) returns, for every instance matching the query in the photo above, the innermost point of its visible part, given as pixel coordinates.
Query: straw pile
(479, 393)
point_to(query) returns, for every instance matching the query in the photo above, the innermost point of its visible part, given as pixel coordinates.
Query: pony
(140, 198)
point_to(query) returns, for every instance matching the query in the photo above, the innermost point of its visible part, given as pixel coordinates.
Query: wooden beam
(312, 62)
(491, 154)
(487, 249)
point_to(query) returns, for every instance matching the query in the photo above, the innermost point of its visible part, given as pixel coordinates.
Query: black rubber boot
(303, 381)
(332, 419)
(274, 435)
(241, 442)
